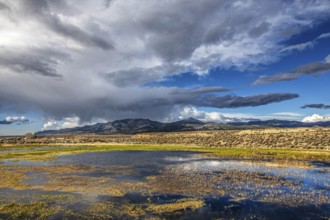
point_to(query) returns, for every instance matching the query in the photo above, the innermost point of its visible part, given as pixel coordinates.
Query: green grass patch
(50, 153)
(179, 205)
(35, 210)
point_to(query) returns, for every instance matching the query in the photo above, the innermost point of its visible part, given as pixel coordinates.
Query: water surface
(171, 185)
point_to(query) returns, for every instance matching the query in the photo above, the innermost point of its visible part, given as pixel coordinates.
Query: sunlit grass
(34, 210)
(179, 205)
(31, 154)
(192, 186)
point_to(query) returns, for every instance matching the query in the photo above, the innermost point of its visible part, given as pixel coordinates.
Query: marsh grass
(49, 206)
(12, 179)
(179, 205)
(73, 182)
(34, 210)
(70, 180)
(261, 153)
(56, 198)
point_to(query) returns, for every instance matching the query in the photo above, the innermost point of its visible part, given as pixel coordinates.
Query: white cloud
(327, 59)
(305, 45)
(69, 122)
(322, 36)
(289, 114)
(193, 112)
(15, 119)
(316, 118)
(189, 111)
(50, 125)
(299, 47)
(247, 117)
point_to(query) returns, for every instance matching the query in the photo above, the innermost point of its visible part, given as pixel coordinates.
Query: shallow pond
(164, 184)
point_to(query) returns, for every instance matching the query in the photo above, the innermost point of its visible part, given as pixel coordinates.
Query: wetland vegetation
(135, 181)
(154, 178)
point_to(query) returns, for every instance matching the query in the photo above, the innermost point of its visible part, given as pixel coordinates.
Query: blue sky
(66, 65)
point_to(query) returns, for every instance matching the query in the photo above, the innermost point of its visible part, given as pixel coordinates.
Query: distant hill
(280, 123)
(134, 126)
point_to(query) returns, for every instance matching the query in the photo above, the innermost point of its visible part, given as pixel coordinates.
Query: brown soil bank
(297, 138)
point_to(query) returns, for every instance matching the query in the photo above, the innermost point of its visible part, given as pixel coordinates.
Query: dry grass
(12, 179)
(288, 138)
(35, 210)
(295, 138)
(179, 205)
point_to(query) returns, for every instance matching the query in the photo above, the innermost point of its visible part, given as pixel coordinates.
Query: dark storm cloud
(75, 33)
(139, 76)
(3, 6)
(203, 90)
(154, 103)
(40, 9)
(312, 68)
(151, 103)
(32, 60)
(308, 69)
(4, 122)
(203, 23)
(232, 101)
(181, 34)
(107, 3)
(276, 78)
(203, 99)
(108, 51)
(134, 76)
(319, 106)
(259, 30)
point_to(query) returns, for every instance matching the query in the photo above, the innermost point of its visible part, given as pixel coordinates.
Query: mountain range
(134, 126)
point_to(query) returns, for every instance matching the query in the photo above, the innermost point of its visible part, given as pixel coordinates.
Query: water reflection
(310, 175)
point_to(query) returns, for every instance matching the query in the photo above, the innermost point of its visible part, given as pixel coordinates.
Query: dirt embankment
(299, 138)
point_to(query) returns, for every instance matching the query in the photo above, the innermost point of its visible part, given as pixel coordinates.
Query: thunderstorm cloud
(99, 58)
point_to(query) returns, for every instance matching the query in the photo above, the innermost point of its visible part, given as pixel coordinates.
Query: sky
(65, 64)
